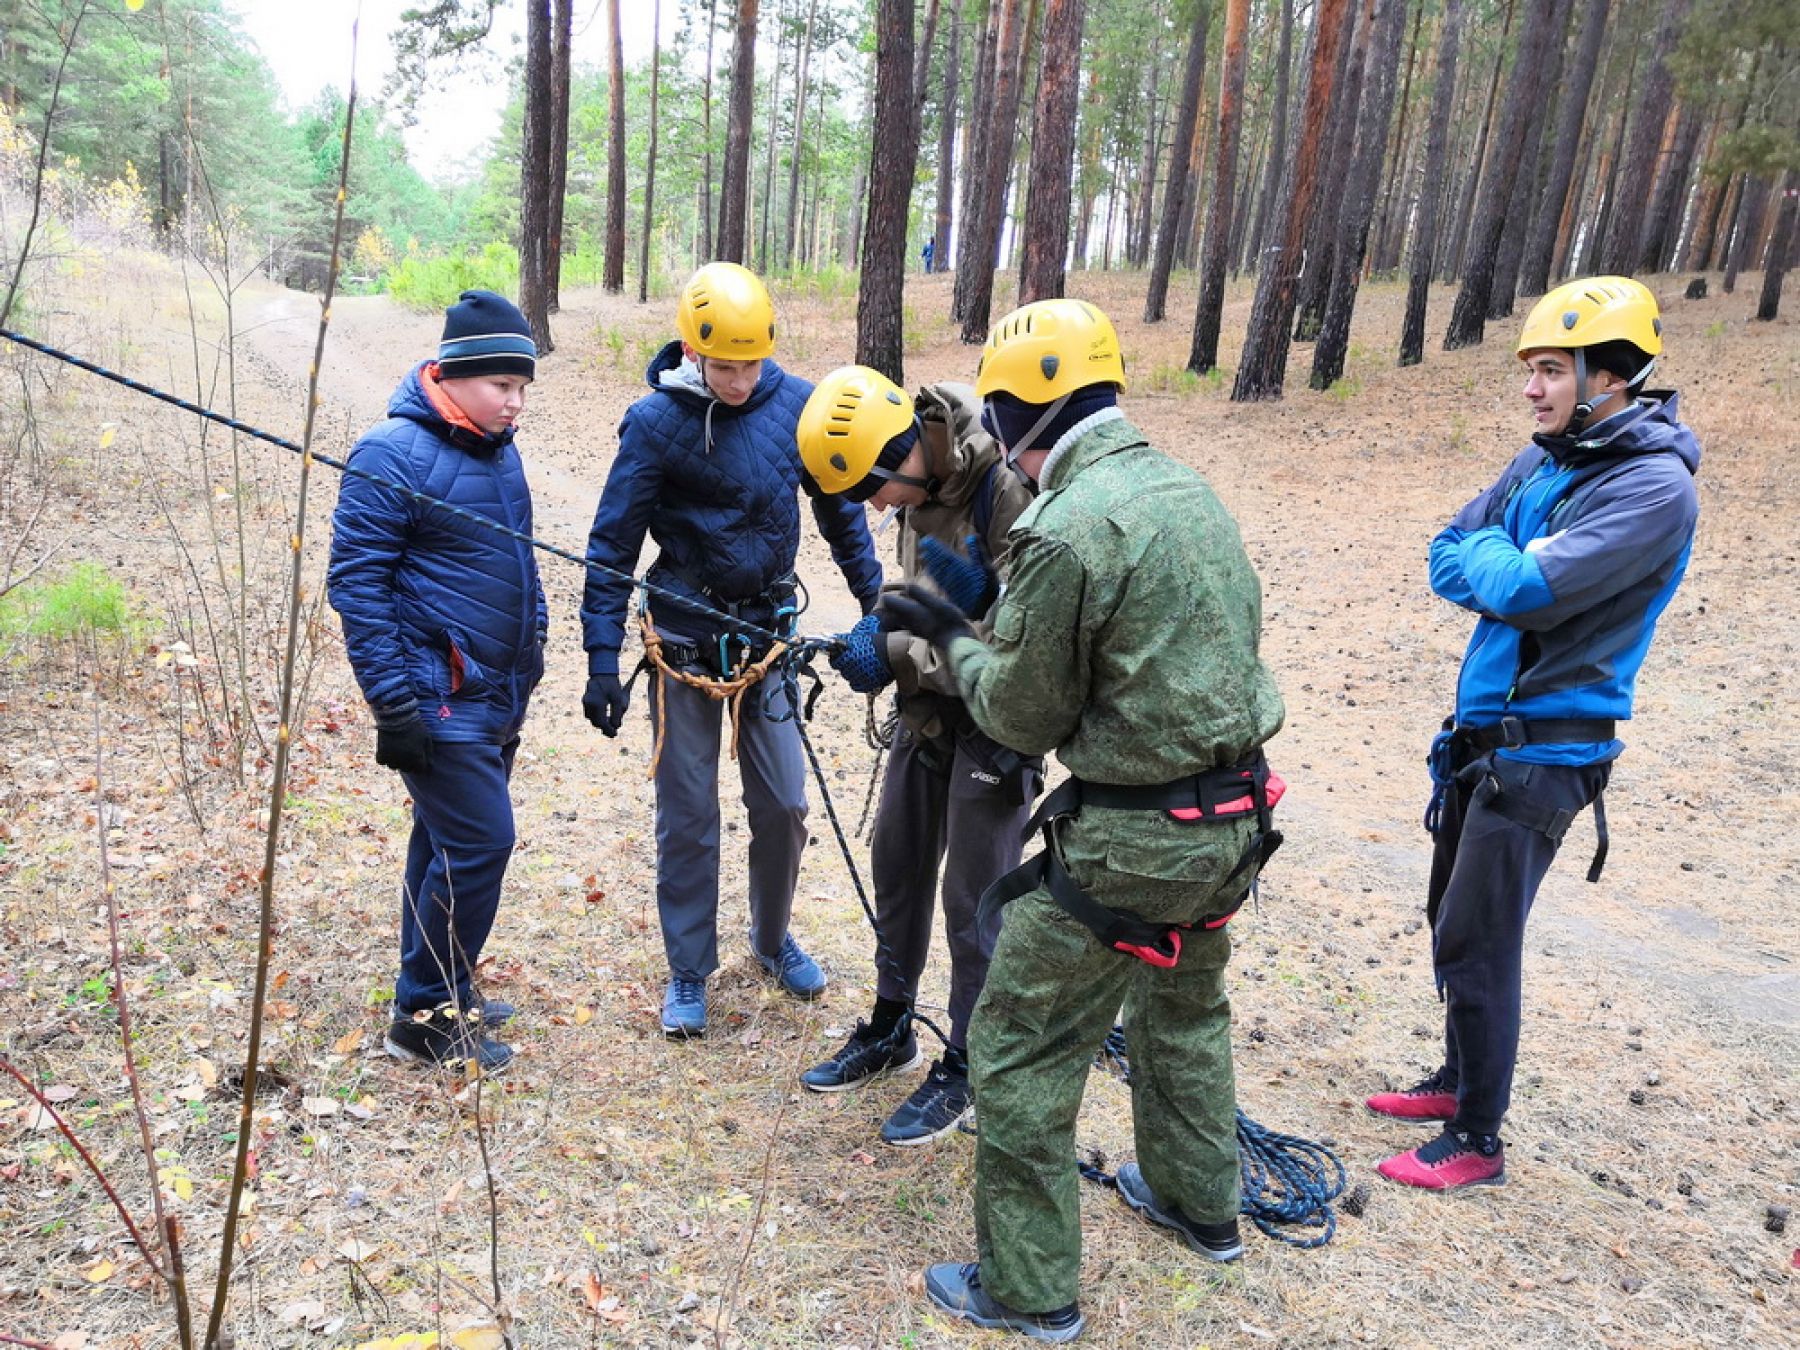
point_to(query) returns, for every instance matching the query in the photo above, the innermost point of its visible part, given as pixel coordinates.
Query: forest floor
(658, 1194)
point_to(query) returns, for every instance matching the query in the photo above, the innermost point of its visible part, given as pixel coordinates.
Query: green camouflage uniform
(1126, 641)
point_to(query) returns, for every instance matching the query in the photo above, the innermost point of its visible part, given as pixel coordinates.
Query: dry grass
(663, 1170)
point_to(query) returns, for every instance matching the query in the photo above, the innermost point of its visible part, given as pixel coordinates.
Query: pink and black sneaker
(1424, 1103)
(1453, 1160)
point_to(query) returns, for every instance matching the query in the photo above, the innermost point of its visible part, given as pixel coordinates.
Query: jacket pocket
(462, 677)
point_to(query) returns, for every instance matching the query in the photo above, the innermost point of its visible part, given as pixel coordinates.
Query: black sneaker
(495, 1012)
(864, 1058)
(941, 1103)
(957, 1290)
(445, 1037)
(1215, 1241)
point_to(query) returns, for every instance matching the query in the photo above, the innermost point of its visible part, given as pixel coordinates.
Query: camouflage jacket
(959, 456)
(1126, 636)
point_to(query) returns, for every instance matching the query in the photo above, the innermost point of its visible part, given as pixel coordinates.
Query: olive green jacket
(958, 455)
(1126, 636)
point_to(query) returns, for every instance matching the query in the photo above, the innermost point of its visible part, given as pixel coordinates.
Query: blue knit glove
(968, 583)
(861, 660)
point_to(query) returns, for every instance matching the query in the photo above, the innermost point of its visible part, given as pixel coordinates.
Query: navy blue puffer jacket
(441, 616)
(717, 488)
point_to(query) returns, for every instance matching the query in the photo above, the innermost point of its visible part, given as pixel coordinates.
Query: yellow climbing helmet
(725, 312)
(1049, 349)
(1593, 310)
(852, 415)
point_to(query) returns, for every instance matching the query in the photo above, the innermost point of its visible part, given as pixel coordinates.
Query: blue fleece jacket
(442, 617)
(1570, 558)
(717, 488)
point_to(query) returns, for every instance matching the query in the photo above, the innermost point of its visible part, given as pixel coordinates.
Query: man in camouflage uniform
(1126, 641)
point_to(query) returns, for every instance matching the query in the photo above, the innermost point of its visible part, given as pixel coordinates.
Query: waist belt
(772, 607)
(1238, 790)
(1457, 747)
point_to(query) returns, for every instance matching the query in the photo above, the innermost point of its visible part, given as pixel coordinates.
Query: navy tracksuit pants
(937, 809)
(1486, 868)
(462, 840)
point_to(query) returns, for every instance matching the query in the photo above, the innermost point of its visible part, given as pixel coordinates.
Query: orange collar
(442, 404)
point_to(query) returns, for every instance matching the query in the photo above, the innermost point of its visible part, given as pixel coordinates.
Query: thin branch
(184, 1322)
(283, 743)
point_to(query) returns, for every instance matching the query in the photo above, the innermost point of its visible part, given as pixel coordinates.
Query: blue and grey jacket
(717, 488)
(1569, 559)
(442, 617)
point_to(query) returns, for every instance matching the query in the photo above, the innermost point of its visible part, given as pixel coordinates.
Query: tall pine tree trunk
(1459, 232)
(534, 178)
(1662, 221)
(1638, 169)
(613, 277)
(735, 193)
(707, 214)
(1203, 354)
(1781, 250)
(1395, 183)
(1263, 368)
(1051, 177)
(1275, 158)
(561, 24)
(766, 219)
(1468, 318)
(650, 159)
(1525, 181)
(977, 156)
(893, 151)
(1372, 123)
(1571, 117)
(946, 184)
(1175, 195)
(1321, 236)
(1752, 202)
(1437, 139)
(793, 197)
(982, 256)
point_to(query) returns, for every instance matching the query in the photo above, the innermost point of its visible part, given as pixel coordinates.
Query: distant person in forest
(444, 625)
(929, 252)
(953, 798)
(1568, 559)
(708, 467)
(1126, 639)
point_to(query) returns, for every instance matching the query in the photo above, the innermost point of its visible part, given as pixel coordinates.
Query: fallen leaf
(39, 1117)
(73, 1340)
(206, 1072)
(60, 1092)
(583, 1015)
(190, 1092)
(484, 1337)
(349, 1042)
(303, 1310)
(100, 1271)
(356, 1250)
(593, 1290)
(320, 1106)
(281, 979)
(865, 1158)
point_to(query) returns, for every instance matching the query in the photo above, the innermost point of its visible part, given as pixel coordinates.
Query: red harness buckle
(1273, 789)
(1163, 954)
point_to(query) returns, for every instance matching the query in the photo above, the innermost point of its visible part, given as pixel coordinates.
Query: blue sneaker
(799, 973)
(684, 1008)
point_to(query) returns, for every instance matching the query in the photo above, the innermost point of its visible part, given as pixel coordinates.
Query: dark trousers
(772, 770)
(1486, 868)
(462, 840)
(936, 812)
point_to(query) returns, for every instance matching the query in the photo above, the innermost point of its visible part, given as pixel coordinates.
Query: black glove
(405, 747)
(605, 702)
(925, 613)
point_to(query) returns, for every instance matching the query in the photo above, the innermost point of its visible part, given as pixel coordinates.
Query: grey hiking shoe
(1214, 1241)
(957, 1290)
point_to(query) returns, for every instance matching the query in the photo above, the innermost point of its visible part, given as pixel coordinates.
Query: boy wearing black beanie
(444, 624)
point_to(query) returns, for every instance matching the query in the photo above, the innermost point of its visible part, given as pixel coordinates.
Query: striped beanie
(484, 334)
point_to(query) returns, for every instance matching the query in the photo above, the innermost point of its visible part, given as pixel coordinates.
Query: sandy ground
(1655, 1111)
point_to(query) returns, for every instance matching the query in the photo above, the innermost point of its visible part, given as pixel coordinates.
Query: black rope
(1287, 1182)
(795, 661)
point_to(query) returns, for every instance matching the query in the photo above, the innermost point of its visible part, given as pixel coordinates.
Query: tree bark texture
(1397, 163)
(978, 132)
(1478, 161)
(534, 177)
(893, 151)
(793, 197)
(707, 213)
(1275, 156)
(1263, 368)
(946, 183)
(1638, 169)
(1571, 117)
(1751, 203)
(734, 195)
(1358, 211)
(1051, 176)
(650, 160)
(1662, 221)
(1175, 195)
(1525, 181)
(1780, 250)
(1468, 318)
(562, 21)
(613, 272)
(767, 211)
(982, 256)
(1321, 234)
(1437, 139)
(1203, 354)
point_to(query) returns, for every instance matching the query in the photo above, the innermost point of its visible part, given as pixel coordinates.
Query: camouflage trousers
(1051, 996)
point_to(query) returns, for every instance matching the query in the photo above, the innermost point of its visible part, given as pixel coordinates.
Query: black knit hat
(484, 334)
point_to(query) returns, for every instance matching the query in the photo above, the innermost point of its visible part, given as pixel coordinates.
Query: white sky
(307, 45)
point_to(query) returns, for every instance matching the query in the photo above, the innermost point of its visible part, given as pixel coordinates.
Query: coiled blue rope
(1287, 1182)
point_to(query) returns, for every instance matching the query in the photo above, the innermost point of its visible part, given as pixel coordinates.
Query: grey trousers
(772, 770)
(936, 813)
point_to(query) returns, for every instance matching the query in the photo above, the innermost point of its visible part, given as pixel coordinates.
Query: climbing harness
(1462, 754)
(1286, 1182)
(728, 688)
(1246, 788)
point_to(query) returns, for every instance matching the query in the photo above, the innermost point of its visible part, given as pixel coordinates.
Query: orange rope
(729, 690)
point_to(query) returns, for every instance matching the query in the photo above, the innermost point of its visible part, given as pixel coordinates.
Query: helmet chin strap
(1585, 408)
(1029, 440)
